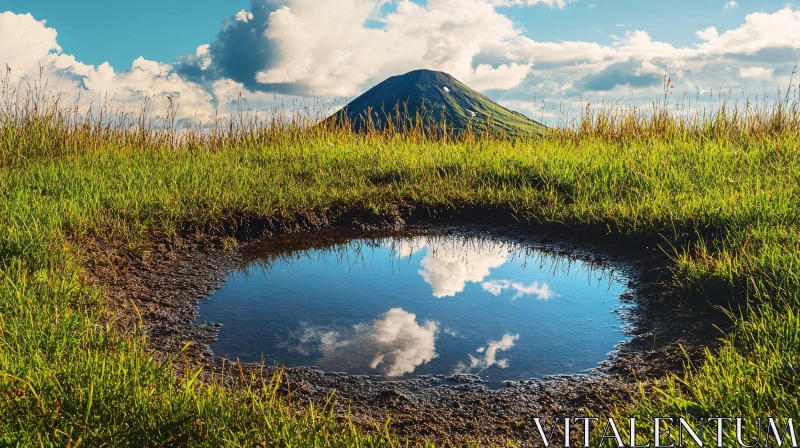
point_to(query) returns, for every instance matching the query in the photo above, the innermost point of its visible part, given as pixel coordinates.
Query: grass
(719, 188)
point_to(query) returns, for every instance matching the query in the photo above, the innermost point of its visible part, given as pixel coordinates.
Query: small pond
(401, 307)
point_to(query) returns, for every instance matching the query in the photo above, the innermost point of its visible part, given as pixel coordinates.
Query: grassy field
(69, 378)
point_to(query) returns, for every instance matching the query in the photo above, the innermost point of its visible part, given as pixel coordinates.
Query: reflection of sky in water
(437, 305)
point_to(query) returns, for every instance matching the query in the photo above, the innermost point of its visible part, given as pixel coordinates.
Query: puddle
(402, 307)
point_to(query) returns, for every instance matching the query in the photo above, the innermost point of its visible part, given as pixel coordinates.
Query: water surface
(401, 307)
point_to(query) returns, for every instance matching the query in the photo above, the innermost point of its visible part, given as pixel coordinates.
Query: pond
(399, 307)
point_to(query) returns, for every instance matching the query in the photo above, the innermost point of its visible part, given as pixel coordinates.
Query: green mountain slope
(434, 96)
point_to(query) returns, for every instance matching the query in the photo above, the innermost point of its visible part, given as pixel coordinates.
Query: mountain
(435, 96)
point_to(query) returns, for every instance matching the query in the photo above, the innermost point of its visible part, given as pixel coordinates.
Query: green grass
(67, 377)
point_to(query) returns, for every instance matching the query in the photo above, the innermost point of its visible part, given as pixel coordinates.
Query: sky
(209, 54)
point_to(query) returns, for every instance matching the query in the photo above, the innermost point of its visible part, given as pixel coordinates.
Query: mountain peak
(436, 96)
(426, 75)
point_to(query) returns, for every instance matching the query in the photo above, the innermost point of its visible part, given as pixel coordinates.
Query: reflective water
(401, 307)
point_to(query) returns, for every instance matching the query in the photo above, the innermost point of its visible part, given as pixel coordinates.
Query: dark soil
(164, 284)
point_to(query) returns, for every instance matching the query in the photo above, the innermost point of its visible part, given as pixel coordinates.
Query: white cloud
(488, 354)
(395, 344)
(502, 77)
(323, 48)
(635, 64)
(449, 265)
(731, 4)
(756, 73)
(496, 287)
(542, 292)
(760, 31)
(404, 341)
(24, 41)
(550, 3)
(244, 16)
(27, 44)
(203, 57)
(328, 57)
(707, 33)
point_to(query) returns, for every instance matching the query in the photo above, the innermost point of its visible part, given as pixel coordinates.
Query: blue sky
(208, 52)
(155, 29)
(674, 21)
(164, 30)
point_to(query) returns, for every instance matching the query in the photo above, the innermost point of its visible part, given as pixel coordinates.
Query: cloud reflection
(450, 264)
(496, 287)
(393, 345)
(488, 354)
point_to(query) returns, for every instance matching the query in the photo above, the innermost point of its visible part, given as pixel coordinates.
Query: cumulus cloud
(488, 355)
(332, 48)
(324, 47)
(496, 287)
(244, 16)
(403, 341)
(28, 45)
(394, 345)
(239, 52)
(637, 64)
(760, 31)
(756, 73)
(707, 33)
(449, 265)
(24, 41)
(731, 4)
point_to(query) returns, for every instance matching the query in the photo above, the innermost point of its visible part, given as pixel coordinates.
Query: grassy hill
(432, 97)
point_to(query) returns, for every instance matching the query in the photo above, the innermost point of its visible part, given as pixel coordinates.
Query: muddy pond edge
(165, 283)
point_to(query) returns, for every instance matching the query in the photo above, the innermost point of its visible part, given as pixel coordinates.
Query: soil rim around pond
(166, 283)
